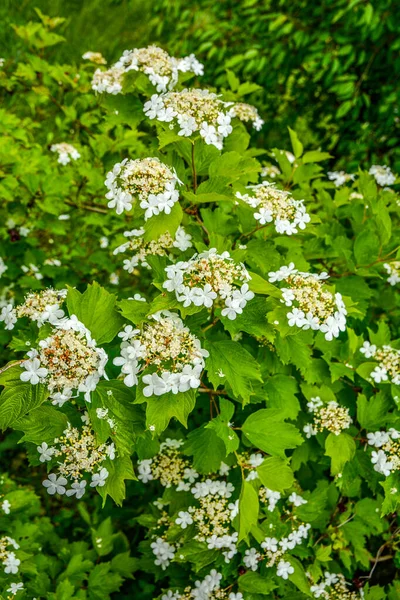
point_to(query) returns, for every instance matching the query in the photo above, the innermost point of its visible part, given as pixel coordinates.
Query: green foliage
(274, 427)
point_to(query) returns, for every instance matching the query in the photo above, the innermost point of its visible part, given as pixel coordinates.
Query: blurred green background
(330, 69)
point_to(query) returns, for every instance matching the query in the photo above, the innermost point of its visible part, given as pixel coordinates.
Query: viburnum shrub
(228, 393)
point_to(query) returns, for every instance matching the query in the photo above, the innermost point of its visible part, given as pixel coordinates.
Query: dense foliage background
(322, 76)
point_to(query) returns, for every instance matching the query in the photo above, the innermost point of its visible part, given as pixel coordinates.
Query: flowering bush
(223, 403)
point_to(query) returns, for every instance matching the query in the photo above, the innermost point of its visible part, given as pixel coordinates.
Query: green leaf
(161, 409)
(341, 448)
(258, 285)
(275, 474)
(299, 577)
(207, 449)
(221, 426)
(372, 414)
(366, 247)
(267, 431)
(133, 310)
(315, 156)
(296, 144)
(248, 509)
(119, 471)
(96, 309)
(42, 424)
(256, 583)
(160, 224)
(237, 366)
(18, 400)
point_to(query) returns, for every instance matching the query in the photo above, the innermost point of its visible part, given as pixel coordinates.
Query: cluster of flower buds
(333, 587)
(327, 417)
(7, 556)
(67, 360)
(41, 307)
(393, 270)
(387, 458)
(141, 248)
(76, 454)
(383, 175)
(340, 177)
(95, 57)
(161, 69)
(191, 111)
(165, 349)
(206, 589)
(168, 467)
(247, 113)
(66, 152)
(148, 179)
(210, 278)
(388, 358)
(313, 305)
(273, 205)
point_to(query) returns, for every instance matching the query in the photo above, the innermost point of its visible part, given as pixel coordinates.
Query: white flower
(77, 488)
(233, 596)
(8, 315)
(296, 499)
(284, 569)
(33, 371)
(270, 543)
(184, 519)
(55, 484)
(379, 374)
(99, 479)
(296, 317)
(45, 452)
(204, 296)
(232, 309)
(251, 558)
(11, 563)
(368, 349)
(15, 588)
(282, 273)
(383, 175)
(209, 133)
(5, 506)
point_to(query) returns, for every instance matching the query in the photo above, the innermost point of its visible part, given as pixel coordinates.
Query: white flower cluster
(142, 249)
(388, 358)
(278, 206)
(168, 467)
(161, 69)
(331, 417)
(314, 306)
(387, 458)
(148, 179)
(247, 113)
(383, 175)
(67, 360)
(95, 57)
(77, 454)
(212, 516)
(66, 152)
(191, 111)
(8, 557)
(274, 551)
(333, 587)
(41, 307)
(109, 81)
(340, 177)
(206, 589)
(163, 551)
(393, 270)
(209, 278)
(166, 345)
(270, 171)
